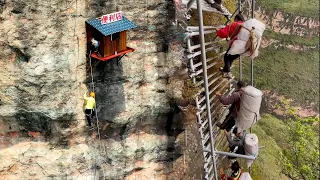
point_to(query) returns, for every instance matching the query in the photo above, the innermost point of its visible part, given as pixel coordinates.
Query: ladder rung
(191, 34)
(211, 107)
(207, 146)
(215, 103)
(208, 67)
(215, 87)
(199, 45)
(217, 134)
(209, 171)
(200, 63)
(205, 44)
(206, 150)
(217, 145)
(218, 112)
(196, 28)
(202, 81)
(223, 144)
(226, 108)
(201, 70)
(197, 65)
(202, 89)
(195, 54)
(205, 127)
(206, 137)
(206, 163)
(211, 91)
(217, 158)
(218, 99)
(204, 123)
(206, 154)
(202, 108)
(224, 86)
(202, 115)
(203, 98)
(211, 177)
(218, 108)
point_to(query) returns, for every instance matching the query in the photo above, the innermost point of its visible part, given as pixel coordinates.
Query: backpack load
(245, 176)
(250, 104)
(248, 39)
(251, 147)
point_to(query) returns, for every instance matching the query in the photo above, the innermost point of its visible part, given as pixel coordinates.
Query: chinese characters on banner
(110, 18)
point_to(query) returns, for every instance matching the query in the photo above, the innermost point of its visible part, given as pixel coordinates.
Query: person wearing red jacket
(230, 31)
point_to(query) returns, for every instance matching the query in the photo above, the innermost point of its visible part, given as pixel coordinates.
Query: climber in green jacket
(236, 142)
(90, 104)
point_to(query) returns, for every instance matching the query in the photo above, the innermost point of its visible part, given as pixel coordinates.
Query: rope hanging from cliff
(91, 71)
(96, 113)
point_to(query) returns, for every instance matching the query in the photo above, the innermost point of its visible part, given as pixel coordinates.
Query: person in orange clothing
(233, 173)
(230, 32)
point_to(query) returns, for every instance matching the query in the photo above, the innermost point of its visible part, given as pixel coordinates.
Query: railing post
(240, 6)
(205, 75)
(252, 8)
(240, 68)
(252, 16)
(248, 157)
(251, 71)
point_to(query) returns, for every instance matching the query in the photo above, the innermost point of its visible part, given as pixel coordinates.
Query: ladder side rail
(204, 67)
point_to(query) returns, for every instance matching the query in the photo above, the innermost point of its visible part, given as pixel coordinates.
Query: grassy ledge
(309, 8)
(291, 39)
(294, 74)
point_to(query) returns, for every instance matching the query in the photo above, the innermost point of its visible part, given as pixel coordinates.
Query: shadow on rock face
(108, 85)
(38, 121)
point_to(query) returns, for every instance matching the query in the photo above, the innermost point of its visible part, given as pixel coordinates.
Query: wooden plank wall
(123, 41)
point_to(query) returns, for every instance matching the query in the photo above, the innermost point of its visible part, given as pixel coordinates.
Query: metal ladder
(208, 105)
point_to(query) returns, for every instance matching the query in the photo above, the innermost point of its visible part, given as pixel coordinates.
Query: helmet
(92, 94)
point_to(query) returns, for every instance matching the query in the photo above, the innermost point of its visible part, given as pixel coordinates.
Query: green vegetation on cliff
(308, 8)
(291, 148)
(290, 39)
(294, 74)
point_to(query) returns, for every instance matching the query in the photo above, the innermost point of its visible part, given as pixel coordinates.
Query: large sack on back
(239, 45)
(251, 147)
(245, 176)
(250, 103)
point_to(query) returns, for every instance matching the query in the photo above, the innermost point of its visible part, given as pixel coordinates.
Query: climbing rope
(96, 112)
(91, 71)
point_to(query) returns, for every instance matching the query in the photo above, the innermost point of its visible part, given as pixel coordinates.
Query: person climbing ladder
(90, 104)
(236, 144)
(230, 31)
(234, 100)
(217, 4)
(233, 173)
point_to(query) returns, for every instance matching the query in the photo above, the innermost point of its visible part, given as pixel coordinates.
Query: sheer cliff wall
(45, 72)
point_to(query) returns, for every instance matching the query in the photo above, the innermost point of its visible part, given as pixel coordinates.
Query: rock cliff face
(286, 23)
(44, 73)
